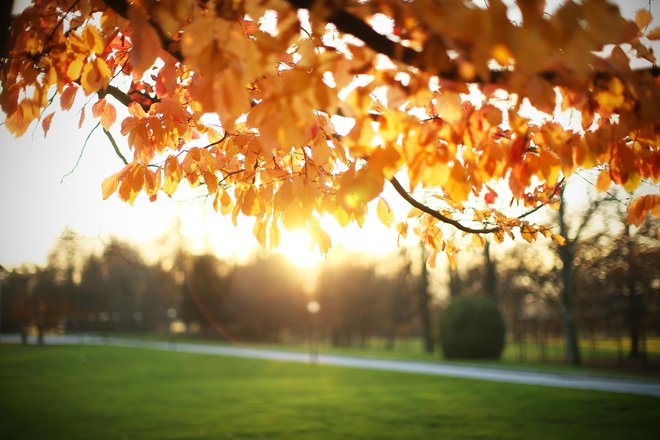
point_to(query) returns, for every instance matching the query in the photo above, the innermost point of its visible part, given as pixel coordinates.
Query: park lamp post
(313, 307)
(171, 313)
(3, 275)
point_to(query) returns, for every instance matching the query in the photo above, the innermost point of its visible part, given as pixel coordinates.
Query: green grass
(94, 392)
(602, 361)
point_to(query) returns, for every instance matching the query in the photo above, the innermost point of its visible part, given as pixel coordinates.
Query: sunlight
(296, 246)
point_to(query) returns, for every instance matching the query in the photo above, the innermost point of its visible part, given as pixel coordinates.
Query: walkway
(563, 380)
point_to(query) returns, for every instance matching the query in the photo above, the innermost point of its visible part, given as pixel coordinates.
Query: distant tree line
(264, 299)
(615, 280)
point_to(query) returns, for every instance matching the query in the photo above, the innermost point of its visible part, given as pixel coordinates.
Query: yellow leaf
(173, 175)
(226, 203)
(74, 69)
(414, 212)
(452, 259)
(478, 240)
(457, 187)
(93, 39)
(211, 181)
(259, 232)
(95, 76)
(561, 241)
(385, 214)
(320, 237)
(402, 229)
(109, 185)
(274, 237)
(528, 233)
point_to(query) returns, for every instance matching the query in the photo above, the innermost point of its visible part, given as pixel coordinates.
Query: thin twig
(82, 150)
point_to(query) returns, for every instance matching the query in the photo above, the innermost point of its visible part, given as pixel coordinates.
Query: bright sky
(37, 201)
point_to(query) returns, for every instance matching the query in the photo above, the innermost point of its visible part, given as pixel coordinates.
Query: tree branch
(432, 212)
(554, 193)
(120, 7)
(114, 145)
(353, 25)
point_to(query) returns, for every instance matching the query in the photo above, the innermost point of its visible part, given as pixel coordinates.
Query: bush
(472, 327)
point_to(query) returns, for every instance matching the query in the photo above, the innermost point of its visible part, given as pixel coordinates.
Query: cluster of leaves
(245, 98)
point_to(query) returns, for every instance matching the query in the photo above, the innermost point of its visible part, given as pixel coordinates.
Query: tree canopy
(291, 110)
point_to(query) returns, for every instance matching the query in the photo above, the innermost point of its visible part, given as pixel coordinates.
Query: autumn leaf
(108, 116)
(431, 260)
(604, 181)
(653, 34)
(490, 197)
(146, 43)
(286, 129)
(45, 123)
(642, 205)
(109, 185)
(643, 18)
(93, 39)
(67, 97)
(385, 214)
(95, 76)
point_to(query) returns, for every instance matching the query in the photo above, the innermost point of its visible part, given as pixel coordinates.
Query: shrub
(472, 327)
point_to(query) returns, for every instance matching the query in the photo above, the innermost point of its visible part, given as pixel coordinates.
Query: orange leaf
(431, 261)
(173, 175)
(146, 44)
(639, 207)
(108, 116)
(45, 123)
(81, 121)
(653, 34)
(97, 108)
(67, 97)
(643, 18)
(95, 76)
(604, 181)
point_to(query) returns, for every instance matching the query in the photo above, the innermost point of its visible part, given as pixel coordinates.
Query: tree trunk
(635, 305)
(567, 256)
(490, 279)
(424, 307)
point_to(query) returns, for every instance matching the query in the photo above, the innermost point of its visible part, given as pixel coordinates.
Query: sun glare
(296, 246)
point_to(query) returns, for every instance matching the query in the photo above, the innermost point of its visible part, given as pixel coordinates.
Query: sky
(49, 184)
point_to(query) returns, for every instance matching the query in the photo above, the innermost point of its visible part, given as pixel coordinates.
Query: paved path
(563, 380)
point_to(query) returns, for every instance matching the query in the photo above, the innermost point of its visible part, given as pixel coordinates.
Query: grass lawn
(92, 392)
(601, 361)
